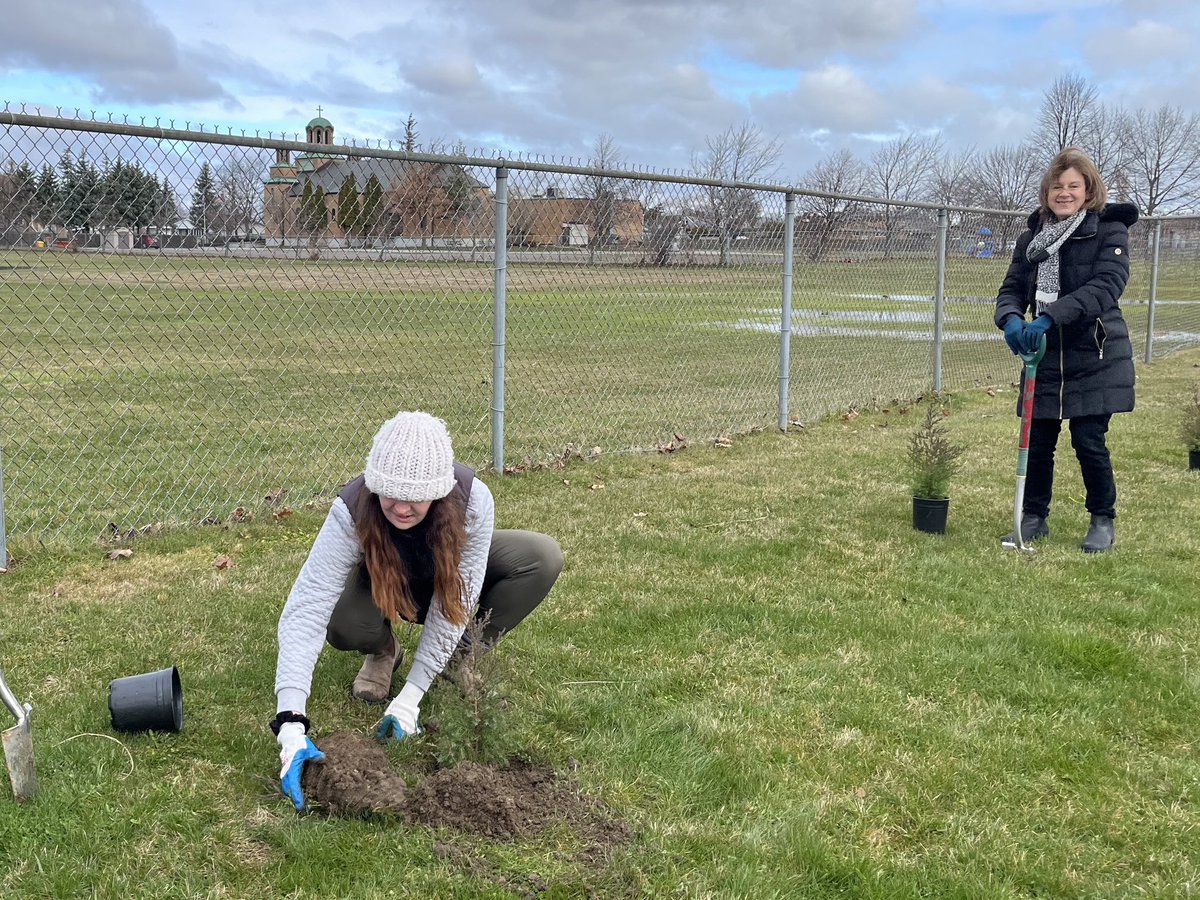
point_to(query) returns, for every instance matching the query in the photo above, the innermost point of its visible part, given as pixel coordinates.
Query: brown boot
(374, 680)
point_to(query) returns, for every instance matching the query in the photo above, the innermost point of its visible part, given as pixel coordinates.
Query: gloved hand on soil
(295, 749)
(400, 719)
(1031, 333)
(1013, 326)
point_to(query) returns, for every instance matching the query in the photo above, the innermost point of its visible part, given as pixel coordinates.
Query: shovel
(18, 746)
(1031, 361)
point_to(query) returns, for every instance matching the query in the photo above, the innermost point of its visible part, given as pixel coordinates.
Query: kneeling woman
(411, 539)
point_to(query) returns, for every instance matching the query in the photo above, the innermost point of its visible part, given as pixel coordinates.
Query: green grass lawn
(751, 658)
(154, 387)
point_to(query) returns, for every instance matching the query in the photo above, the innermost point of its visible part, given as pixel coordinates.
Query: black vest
(412, 543)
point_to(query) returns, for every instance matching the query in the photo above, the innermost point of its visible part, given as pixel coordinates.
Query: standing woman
(1068, 271)
(411, 539)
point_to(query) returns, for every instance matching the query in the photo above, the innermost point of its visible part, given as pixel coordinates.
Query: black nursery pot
(1194, 459)
(149, 702)
(930, 515)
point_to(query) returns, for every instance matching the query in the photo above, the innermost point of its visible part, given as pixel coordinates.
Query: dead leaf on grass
(223, 561)
(283, 512)
(240, 514)
(120, 553)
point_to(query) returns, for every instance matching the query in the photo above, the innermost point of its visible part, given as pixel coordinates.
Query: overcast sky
(548, 77)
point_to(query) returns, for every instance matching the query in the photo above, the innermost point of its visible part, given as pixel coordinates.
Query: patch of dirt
(502, 803)
(355, 778)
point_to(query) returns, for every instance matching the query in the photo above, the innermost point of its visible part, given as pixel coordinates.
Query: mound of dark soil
(354, 779)
(498, 802)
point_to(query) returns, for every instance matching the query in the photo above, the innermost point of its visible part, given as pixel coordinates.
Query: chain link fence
(199, 325)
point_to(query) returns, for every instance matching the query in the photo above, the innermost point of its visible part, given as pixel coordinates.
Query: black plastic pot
(149, 702)
(1194, 459)
(930, 515)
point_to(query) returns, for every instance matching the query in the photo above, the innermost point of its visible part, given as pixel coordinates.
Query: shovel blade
(18, 755)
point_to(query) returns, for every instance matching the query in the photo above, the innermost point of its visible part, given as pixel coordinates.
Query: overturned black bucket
(149, 702)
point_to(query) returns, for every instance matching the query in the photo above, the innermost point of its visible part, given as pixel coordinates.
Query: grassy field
(171, 387)
(751, 658)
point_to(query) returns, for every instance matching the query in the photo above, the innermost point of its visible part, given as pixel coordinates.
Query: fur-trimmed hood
(1125, 213)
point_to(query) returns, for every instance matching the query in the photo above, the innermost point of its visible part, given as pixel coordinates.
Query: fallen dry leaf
(223, 562)
(120, 553)
(597, 486)
(283, 512)
(241, 514)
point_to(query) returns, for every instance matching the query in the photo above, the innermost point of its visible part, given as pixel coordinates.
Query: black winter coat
(1088, 366)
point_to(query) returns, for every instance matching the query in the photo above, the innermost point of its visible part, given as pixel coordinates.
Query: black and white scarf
(1043, 251)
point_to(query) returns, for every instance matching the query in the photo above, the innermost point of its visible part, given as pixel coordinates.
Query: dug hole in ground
(453, 784)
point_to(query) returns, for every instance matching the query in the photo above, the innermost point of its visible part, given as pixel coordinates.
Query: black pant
(522, 566)
(1087, 437)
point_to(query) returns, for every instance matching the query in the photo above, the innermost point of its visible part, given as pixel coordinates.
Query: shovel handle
(1032, 359)
(10, 700)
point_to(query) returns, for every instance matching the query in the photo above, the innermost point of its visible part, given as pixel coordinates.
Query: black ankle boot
(1101, 535)
(1032, 528)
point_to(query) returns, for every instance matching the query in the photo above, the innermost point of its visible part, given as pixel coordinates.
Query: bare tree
(823, 216)
(900, 170)
(1008, 178)
(952, 176)
(740, 153)
(239, 184)
(432, 201)
(1069, 108)
(1163, 160)
(602, 193)
(1105, 138)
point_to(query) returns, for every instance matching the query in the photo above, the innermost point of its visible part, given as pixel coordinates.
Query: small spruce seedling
(933, 458)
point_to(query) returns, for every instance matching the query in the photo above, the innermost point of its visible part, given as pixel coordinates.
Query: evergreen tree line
(80, 195)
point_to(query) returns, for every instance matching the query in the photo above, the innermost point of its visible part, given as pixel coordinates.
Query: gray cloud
(115, 43)
(548, 76)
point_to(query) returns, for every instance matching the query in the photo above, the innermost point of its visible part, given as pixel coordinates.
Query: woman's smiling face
(1068, 194)
(405, 514)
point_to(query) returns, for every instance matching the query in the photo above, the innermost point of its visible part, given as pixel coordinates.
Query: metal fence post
(939, 299)
(785, 318)
(499, 299)
(1153, 292)
(3, 533)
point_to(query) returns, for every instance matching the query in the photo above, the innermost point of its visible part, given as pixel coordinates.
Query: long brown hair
(445, 532)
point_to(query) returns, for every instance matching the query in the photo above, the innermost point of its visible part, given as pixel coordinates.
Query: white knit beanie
(411, 459)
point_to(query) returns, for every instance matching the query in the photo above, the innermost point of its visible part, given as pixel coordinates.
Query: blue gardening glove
(1032, 333)
(295, 749)
(400, 719)
(1013, 326)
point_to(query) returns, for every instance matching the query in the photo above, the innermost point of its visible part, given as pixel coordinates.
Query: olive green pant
(522, 566)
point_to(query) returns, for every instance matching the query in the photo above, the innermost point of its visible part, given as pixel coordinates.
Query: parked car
(148, 242)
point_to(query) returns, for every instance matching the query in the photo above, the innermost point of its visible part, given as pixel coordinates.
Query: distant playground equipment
(985, 247)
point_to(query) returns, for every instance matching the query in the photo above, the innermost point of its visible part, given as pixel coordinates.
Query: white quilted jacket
(333, 556)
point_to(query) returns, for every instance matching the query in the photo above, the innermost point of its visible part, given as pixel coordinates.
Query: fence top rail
(241, 139)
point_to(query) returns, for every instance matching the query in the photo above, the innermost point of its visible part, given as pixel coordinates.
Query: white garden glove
(295, 749)
(400, 719)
